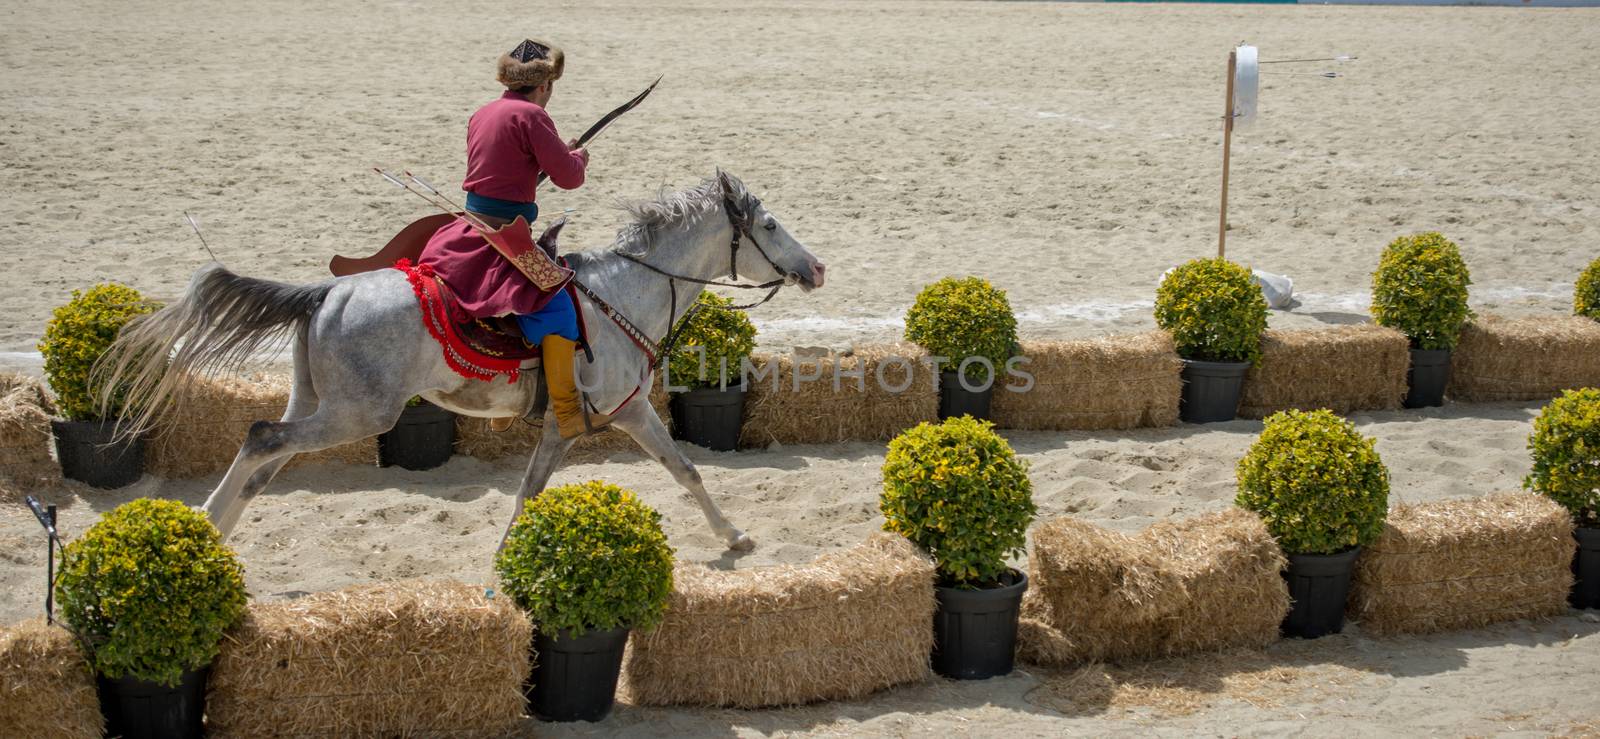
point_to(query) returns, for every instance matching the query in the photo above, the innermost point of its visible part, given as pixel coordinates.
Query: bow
(601, 124)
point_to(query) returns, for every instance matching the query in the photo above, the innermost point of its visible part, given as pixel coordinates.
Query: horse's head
(776, 255)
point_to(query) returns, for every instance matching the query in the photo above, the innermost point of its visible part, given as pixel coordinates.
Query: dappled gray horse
(361, 349)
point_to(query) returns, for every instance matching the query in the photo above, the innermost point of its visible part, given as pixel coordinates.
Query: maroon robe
(509, 141)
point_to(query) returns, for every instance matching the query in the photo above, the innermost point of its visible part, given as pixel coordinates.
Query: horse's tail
(219, 323)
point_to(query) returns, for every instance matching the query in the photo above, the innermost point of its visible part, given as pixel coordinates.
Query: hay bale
(838, 406)
(1525, 358)
(212, 417)
(1343, 369)
(1204, 584)
(47, 687)
(1460, 564)
(848, 624)
(1118, 382)
(25, 438)
(395, 659)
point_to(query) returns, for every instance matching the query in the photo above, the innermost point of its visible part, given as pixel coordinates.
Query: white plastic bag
(1277, 289)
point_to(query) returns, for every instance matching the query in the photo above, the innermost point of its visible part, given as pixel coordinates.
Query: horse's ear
(731, 188)
(547, 240)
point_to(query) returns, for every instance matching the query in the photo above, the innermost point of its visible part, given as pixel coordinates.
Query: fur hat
(531, 64)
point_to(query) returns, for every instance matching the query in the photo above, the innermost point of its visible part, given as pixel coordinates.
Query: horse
(361, 349)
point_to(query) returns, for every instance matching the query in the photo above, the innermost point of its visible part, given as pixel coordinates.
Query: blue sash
(507, 209)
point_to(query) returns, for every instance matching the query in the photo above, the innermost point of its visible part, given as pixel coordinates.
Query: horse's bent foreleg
(640, 421)
(546, 458)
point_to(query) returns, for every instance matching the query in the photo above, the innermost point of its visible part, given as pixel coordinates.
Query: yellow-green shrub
(1566, 454)
(587, 557)
(957, 490)
(1214, 311)
(77, 335)
(151, 588)
(726, 335)
(1586, 294)
(1420, 290)
(1317, 483)
(961, 318)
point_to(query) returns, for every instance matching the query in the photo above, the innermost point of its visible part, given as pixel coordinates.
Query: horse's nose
(817, 270)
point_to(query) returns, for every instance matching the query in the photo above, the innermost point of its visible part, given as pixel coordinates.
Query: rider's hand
(582, 154)
(572, 145)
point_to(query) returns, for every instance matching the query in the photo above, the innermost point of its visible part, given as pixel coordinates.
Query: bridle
(742, 219)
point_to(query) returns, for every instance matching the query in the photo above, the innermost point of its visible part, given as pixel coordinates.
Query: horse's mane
(672, 209)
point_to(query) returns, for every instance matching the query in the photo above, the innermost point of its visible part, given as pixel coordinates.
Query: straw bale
(25, 438)
(1343, 369)
(47, 687)
(1464, 563)
(211, 420)
(1525, 358)
(850, 623)
(1117, 382)
(1204, 584)
(475, 439)
(837, 406)
(403, 658)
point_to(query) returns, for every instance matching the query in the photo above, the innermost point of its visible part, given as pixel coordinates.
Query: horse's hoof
(742, 543)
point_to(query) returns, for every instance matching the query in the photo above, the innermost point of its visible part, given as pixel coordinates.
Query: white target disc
(1246, 80)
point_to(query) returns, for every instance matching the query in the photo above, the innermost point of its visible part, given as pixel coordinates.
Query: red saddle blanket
(476, 348)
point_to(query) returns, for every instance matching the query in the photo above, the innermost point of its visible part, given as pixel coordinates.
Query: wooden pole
(1227, 144)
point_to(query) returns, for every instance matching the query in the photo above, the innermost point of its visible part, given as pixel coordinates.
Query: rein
(658, 353)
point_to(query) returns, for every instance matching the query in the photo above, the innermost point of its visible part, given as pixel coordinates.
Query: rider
(509, 142)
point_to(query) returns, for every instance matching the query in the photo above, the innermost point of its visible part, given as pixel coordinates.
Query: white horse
(361, 349)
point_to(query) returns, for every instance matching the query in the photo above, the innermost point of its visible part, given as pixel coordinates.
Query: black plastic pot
(975, 631)
(956, 401)
(135, 709)
(709, 416)
(423, 438)
(1586, 569)
(575, 676)
(1319, 584)
(1211, 390)
(88, 454)
(1425, 381)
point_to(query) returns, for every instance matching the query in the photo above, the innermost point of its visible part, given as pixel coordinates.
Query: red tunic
(508, 142)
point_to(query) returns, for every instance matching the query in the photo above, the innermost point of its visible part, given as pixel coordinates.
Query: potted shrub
(1586, 294)
(712, 345)
(149, 591)
(1323, 493)
(76, 337)
(423, 438)
(1420, 290)
(1566, 468)
(1215, 313)
(969, 324)
(956, 490)
(588, 563)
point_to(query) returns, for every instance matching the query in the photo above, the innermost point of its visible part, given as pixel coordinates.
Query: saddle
(478, 348)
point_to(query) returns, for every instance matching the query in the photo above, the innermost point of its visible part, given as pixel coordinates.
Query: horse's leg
(640, 421)
(227, 502)
(350, 412)
(332, 424)
(546, 458)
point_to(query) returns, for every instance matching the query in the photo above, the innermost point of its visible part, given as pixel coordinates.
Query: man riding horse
(509, 142)
(385, 330)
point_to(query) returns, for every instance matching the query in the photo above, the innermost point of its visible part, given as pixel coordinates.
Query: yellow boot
(559, 366)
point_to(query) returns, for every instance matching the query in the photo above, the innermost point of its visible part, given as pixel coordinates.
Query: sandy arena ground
(1068, 152)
